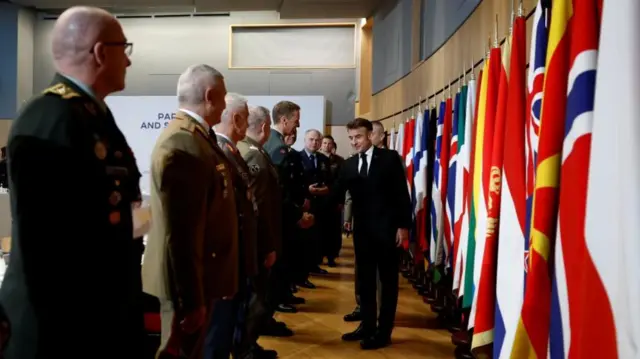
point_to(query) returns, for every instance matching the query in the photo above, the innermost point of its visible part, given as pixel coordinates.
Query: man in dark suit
(332, 243)
(381, 206)
(317, 170)
(71, 235)
(286, 118)
(266, 189)
(191, 258)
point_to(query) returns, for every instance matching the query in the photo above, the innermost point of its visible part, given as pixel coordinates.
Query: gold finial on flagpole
(521, 9)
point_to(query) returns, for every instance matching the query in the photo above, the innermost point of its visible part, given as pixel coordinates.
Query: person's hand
(306, 205)
(347, 226)
(317, 190)
(402, 235)
(194, 320)
(270, 260)
(306, 221)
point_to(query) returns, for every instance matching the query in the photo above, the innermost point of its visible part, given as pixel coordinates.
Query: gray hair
(194, 81)
(235, 102)
(312, 131)
(258, 115)
(76, 31)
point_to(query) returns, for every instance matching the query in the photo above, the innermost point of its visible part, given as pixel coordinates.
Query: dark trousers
(228, 326)
(257, 311)
(383, 257)
(331, 241)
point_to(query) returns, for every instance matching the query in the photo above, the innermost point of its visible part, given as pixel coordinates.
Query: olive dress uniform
(228, 315)
(291, 174)
(268, 198)
(68, 287)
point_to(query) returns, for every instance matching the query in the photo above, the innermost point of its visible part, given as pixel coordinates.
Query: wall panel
(468, 44)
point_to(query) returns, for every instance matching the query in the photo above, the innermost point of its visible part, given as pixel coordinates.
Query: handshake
(306, 221)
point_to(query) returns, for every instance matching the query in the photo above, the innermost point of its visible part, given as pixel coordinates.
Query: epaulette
(61, 90)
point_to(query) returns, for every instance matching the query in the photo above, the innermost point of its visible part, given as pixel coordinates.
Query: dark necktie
(313, 161)
(364, 167)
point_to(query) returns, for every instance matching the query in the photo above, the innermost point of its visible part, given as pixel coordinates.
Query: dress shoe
(262, 353)
(294, 300)
(277, 330)
(307, 284)
(286, 308)
(360, 333)
(332, 263)
(377, 341)
(354, 316)
(318, 270)
(294, 288)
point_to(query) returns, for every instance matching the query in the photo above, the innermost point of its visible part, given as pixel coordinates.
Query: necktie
(364, 168)
(313, 161)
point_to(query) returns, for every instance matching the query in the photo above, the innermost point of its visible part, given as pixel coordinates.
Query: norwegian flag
(581, 320)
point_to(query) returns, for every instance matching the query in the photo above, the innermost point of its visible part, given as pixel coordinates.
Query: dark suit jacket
(72, 232)
(247, 208)
(191, 257)
(380, 202)
(319, 173)
(268, 196)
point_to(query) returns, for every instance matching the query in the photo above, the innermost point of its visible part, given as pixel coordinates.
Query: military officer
(286, 117)
(72, 233)
(229, 315)
(333, 240)
(191, 259)
(268, 198)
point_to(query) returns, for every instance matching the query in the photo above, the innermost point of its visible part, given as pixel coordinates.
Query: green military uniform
(73, 180)
(268, 197)
(246, 206)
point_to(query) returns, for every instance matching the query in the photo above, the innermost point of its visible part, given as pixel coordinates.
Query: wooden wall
(469, 43)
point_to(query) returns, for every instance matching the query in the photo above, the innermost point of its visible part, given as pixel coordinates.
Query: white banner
(141, 119)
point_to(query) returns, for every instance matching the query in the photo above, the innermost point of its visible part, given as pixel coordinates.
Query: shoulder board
(252, 147)
(61, 90)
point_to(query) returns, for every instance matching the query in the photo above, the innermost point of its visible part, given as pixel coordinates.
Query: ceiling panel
(289, 9)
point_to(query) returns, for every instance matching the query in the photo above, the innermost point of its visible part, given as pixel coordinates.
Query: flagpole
(521, 9)
(496, 42)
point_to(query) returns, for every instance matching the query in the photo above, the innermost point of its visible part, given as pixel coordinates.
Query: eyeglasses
(128, 46)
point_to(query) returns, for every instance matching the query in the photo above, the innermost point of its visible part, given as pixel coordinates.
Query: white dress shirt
(197, 118)
(369, 154)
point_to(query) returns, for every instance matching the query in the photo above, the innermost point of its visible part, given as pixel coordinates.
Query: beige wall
(5, 126)
(446, 65)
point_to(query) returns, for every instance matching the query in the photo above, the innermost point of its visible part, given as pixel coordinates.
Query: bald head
(77, 30)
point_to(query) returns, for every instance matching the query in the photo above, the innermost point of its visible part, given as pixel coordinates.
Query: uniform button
(213, 255)
(114, 217)
(115, 198)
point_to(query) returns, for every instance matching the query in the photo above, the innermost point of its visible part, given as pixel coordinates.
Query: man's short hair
(360, 123)
(378, 124)
(329, 137)
(257, 116)
(283, 108)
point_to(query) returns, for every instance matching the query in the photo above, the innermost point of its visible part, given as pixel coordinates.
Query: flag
(582, 323)
(451, 179)
(611, 266)
(461, 184)
(470, 221)
(537, 61)
(464, 160)
(431, 126)
(482, 171)
(443, 246)
(437, 217)
(532, 334)
(399, 145)
(484, 323)
(420, 176)
(392, 138)
(513, 208)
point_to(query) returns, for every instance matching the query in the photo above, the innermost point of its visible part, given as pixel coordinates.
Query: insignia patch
(254, 169)
(100, 150)
(252, 147)
(62, 90)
